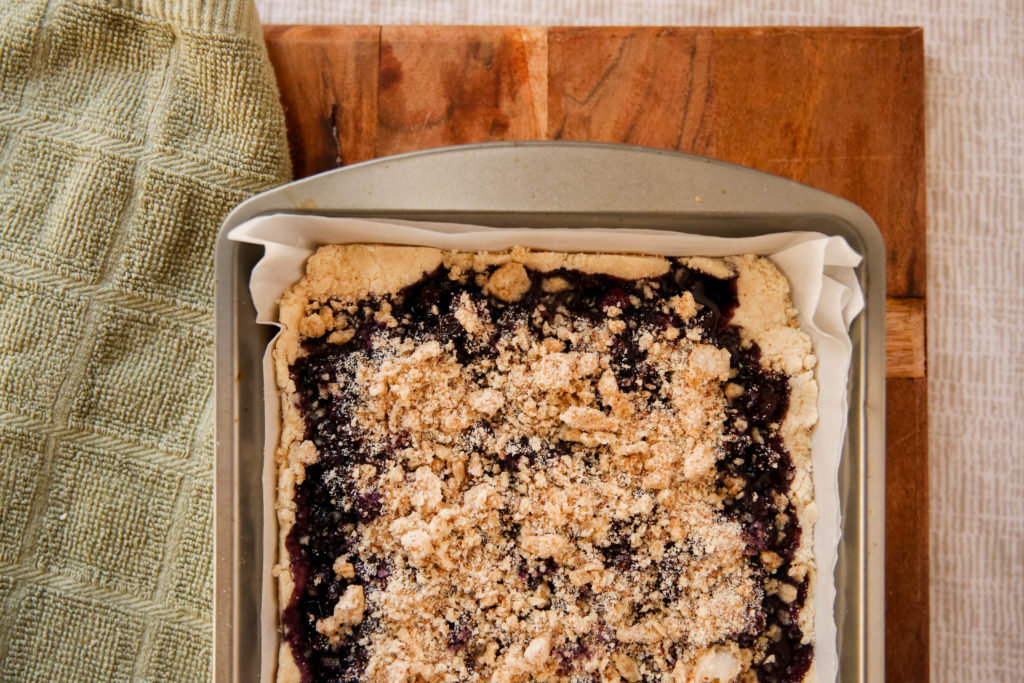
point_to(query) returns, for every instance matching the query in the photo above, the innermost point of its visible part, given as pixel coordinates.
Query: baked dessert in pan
(522, 465)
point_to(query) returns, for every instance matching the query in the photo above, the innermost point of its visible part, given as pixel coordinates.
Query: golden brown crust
(436, 518)
(287, 669)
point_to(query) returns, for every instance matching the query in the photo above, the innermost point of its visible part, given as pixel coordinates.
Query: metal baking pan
(547, 184)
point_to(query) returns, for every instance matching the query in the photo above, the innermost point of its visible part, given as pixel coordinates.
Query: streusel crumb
(529, 466)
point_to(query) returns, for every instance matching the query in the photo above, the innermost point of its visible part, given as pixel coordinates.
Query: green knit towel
(128, 130)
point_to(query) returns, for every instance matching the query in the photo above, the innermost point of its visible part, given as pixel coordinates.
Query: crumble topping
(523, 468)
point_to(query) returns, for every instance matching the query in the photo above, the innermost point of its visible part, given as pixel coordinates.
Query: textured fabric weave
(974, 68)
(128, 130)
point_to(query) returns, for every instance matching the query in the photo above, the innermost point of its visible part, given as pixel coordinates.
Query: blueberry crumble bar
(540, 466)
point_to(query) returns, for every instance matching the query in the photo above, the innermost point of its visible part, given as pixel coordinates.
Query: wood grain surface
(839, 109)
(905, 352)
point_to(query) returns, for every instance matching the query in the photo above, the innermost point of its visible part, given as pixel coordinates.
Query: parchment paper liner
(824, 288)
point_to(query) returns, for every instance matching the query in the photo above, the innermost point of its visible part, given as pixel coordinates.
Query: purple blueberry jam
(330, 507)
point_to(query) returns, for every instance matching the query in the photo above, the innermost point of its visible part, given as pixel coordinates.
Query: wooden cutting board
(839, 109)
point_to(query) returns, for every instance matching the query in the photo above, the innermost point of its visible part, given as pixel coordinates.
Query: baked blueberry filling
(754, 471)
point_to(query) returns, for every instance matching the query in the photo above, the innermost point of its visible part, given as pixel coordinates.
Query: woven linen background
(974, 52)
(128, 130)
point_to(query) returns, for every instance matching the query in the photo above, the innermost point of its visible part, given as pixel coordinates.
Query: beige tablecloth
(975, 165)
